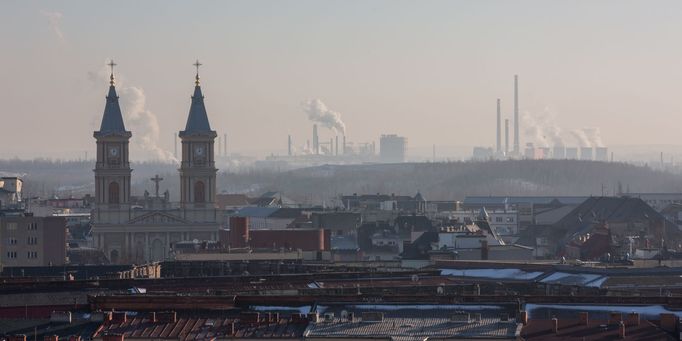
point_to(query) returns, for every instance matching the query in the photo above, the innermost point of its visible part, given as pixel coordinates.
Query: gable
(155, 218)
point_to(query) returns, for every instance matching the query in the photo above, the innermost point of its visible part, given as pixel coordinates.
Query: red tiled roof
(194, 328)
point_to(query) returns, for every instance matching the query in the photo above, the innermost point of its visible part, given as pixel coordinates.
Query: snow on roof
(649, 311)
(586, 280)
(492, 273)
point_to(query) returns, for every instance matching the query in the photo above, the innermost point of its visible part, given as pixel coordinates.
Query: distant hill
(436, 181)
(455, 180)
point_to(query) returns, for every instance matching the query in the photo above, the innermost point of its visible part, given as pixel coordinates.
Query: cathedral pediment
(155, 218)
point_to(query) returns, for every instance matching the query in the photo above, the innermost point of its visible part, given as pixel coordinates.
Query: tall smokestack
(517, 148)
(344, 145)
(506, 137)
(289, 145)
(337, 145)
(331, 146)
(499, 128)
(316, 142)
(224, 144)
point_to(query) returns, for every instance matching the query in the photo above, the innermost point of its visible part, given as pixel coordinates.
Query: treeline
(436, 181)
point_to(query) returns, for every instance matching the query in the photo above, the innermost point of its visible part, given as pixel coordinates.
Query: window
(11, 226)
(32, 255)
(11, 254)
(510, 219)
(32, 240)
(114, 193)
(498, 219)
(199, 192)
(32, 226)
(12, 241)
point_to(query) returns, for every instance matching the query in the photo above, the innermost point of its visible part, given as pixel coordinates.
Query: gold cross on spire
(111, 65)
(197, 65)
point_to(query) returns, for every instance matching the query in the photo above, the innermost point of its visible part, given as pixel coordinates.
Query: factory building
(392, 148)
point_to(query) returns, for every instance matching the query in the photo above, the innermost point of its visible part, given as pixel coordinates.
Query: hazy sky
(429, 70)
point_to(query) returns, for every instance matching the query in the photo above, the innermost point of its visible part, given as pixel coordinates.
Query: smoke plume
(541, 129)
(54, 19)
(143, 123)
(319, 113)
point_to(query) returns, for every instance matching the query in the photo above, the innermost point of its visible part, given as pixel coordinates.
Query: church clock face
(199, 153)
(114, 151)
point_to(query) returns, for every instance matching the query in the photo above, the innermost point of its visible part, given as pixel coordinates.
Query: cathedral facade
(146, 230)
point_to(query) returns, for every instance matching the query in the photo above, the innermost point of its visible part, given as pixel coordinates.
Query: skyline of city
(265, 59)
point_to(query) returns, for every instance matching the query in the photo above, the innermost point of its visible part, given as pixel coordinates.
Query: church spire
(197, 120)
(112, 120)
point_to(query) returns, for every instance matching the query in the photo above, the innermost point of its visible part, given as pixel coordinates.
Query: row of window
(29, 226)
(29, 254)
(501, 219)
(30, 241)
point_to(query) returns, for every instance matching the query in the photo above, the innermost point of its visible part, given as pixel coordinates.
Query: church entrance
(113, 257)
(157, 250)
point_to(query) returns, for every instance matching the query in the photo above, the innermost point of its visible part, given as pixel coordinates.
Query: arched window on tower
(199, 192)
(114, 193)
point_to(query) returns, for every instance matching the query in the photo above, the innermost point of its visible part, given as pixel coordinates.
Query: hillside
(437, 181)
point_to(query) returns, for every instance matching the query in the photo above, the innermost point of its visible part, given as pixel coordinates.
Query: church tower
(112, 171)
(197, 169)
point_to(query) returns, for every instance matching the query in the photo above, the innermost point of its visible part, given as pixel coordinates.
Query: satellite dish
(440, 290)
(415, 278)
(344, 314)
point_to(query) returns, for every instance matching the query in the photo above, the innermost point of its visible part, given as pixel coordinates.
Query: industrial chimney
(506, 137)
(517, 148)
(337, 145)
(289, 148)
(499, 128)
(225, 145)
(316, 141)
(344, 145)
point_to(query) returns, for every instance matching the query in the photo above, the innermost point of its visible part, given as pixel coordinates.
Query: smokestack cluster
(289, 147)
(499, 128)
(316, 141)
(517, 148)
(506, 136)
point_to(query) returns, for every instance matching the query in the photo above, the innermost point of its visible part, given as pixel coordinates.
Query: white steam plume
(143, 123)
(541, 129)
(593, 135)
(54, 19)
(318, 112)
(581, 138)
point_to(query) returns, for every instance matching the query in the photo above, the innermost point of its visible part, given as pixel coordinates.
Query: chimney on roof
(313, 317)
(633, 319)
(17, 337)
(524, 317)
(118, 316)
(166, 317)
(229, 329)
(615, 318)
(621, 330)
(51, 338)
(75, 338)
(112, 337)
(668, 322)
(584, 318)
(555, 325)
(152, 317)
